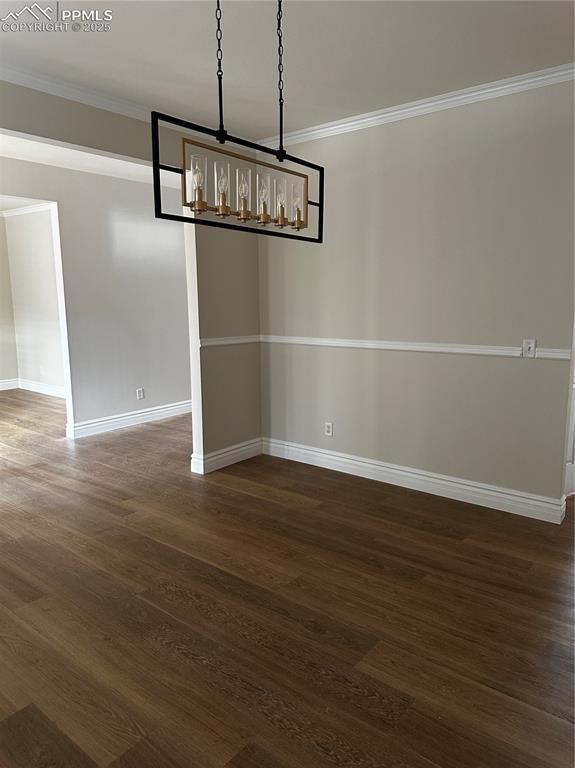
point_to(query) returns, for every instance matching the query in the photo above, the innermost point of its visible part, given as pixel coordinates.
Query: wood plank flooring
(270, 615)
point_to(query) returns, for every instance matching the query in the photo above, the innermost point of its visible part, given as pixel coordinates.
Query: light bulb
(223, 182)
(264, 193)
(197, 176)
(243, 188)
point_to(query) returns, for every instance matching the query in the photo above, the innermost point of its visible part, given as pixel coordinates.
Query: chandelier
(239, 190)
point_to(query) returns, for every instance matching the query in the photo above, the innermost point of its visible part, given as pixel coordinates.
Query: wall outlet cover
(529, 347)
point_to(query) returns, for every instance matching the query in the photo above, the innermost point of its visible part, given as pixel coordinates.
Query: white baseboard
(130, 419)
(33, 386)
(41, 389)
(8, 384)
(508, 500)
(209, 462)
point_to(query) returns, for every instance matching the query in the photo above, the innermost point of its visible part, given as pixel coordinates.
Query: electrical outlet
(529, 347)
(328, 429)
(140, 394)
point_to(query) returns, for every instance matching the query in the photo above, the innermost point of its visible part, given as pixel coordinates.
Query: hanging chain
(220, 71)
(281, 151)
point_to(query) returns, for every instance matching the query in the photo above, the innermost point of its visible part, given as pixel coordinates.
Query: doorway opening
(35, 380)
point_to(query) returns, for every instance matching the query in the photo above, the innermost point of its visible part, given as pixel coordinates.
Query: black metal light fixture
(271, 198)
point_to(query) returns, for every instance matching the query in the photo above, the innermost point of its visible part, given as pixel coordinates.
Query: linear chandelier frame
(198, 202)
(158, 166)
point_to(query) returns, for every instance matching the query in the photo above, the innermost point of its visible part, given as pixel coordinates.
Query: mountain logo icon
(35, 10)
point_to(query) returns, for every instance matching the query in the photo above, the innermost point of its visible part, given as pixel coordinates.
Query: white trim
(202, 464)
(42, 389)
(508, 500)
(62, 316)
(510, 85)
(68, 90)
(8, 384)
(226, 341)
(130, 419)
(73, 157)
(483, 92)
(65, 391)
(33, 208)
(397, 346)
(550, 353)
(505, 499)
(570, 479)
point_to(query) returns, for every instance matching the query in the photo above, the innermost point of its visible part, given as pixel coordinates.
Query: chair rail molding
(544, 353)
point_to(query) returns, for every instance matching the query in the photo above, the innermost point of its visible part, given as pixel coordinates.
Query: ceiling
(342, 58)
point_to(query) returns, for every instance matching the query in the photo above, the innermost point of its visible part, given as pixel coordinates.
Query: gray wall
(26, 110)
(41, 114)
(34, 298)
(125, 287)
(453, 227)
(227, 273)
(8, 359)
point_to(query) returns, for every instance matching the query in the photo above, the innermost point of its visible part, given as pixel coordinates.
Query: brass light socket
(298, 223)
(264, 217)
(244, 214)
(198, 204)
(222, 209)
(281, 220)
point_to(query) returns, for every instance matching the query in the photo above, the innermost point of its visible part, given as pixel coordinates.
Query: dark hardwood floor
(270, 615)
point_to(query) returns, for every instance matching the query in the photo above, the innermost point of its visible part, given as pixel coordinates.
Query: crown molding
(484, 92)
(67, 90)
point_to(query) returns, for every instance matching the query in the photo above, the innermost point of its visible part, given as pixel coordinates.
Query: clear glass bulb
(197, 176)
(264, 193)
(243, 188)
(222, 182)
